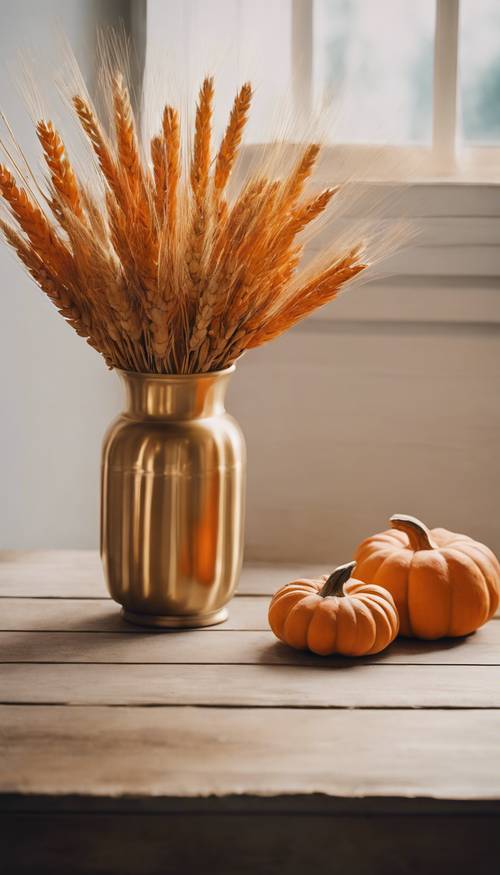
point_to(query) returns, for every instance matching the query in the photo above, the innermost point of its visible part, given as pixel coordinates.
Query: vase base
(165, 621)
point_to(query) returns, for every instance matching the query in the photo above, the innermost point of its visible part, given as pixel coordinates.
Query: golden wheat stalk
(318, 291)
(159, 162)
(172, 142)
(200, 293)
(62, 174)
(126, 138)
(200, 163)
(157, 268)
(94, 132)
(35, 224)
(294, 185)
(231, 141)
(95, 217)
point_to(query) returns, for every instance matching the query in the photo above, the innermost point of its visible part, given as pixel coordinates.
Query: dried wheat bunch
(161, 271)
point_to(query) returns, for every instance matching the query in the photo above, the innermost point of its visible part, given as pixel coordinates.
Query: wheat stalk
(231, 141)
(62, 175)
(129, 162)
(35, 224)
(172, 142)
(94, 132)
(157, 267)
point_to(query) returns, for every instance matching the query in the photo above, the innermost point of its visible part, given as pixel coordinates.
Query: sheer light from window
(373, 64)
(479, 59)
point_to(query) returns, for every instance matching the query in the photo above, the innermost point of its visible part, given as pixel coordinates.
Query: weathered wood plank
(280, 844)
(234, 647)
(103, 615)
(189, 752)
(78, 574)
(266, 686)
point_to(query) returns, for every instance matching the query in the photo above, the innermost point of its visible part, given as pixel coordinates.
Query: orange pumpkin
(326, 617)
(443, 584)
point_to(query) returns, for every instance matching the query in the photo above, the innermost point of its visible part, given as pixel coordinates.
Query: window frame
(443, 158)
(466, 188)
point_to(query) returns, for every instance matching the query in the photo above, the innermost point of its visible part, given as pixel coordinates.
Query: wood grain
(230, 648)
(78, 574)
(103, 615)
(265, 686)
(200, 752)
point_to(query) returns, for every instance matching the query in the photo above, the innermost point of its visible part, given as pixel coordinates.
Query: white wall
(55, 395)
(348, 422)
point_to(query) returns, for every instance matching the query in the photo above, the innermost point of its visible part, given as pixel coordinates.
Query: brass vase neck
(176, 397)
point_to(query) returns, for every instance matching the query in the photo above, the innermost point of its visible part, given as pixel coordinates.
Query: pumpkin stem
(335, 583)
(419, 535)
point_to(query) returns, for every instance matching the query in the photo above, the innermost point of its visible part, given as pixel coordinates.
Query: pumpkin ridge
(306, 613)
(382, 636)
(392, 538)
(345, 614)
(358, 604)
(374, 561)
(280, 608)
(388, 608)
(486, 587)
(415, 568)
(316, 621)
(458, 556)
(488, 554)
(450, 537)
(397, 556)
(302, 592)
(491, 578)
(286, 590)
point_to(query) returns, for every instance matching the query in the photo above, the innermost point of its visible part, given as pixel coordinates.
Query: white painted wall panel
(347, 427)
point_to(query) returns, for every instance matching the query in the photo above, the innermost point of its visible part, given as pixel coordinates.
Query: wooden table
(130, 751)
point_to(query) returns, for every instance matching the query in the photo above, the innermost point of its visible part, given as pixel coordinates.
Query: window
(407, 73)
(479, 95)
(352, 49)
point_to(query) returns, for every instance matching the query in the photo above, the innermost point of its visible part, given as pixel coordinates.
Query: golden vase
(172, 500)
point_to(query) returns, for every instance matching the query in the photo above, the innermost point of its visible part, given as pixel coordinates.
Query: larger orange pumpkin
(443, 584)
(327, 617)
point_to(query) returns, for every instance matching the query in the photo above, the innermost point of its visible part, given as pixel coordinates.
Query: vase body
(172, 500)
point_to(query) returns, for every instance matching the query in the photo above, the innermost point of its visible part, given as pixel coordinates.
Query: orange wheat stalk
(231, 141)
(172, 139)
(294, 185)
(61, 172)
(318, 291)
(200, 163)
(199, 176)
(159, 161)
(97, 139)
(35, 225)
(126, 137)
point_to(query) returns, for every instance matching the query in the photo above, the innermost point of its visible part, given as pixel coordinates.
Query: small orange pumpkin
(322, 616)
(444, 584)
